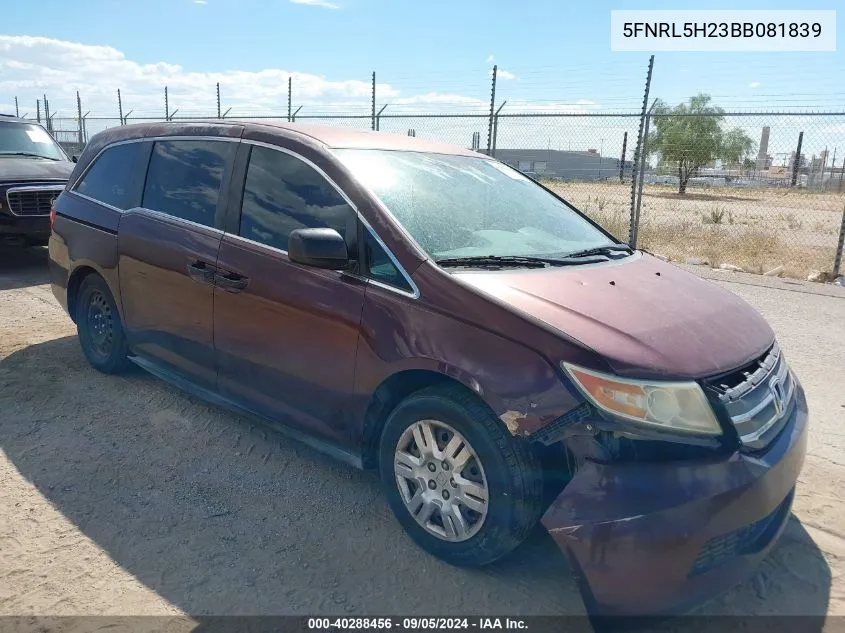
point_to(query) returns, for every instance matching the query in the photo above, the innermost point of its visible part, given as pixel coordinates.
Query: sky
(432, 56)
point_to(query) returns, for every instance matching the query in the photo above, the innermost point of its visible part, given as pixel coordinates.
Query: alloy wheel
(441, 480)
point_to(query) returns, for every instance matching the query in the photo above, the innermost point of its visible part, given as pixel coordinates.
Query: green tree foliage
(690, 142)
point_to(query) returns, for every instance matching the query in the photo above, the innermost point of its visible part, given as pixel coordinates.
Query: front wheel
(99, 328)
(463, 488)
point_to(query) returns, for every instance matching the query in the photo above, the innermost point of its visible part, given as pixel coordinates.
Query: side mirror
(74, 158)
(320, 248)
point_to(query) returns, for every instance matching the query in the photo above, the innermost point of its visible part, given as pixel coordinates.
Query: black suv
(33, 171)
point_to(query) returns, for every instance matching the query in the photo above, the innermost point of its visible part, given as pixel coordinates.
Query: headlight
(680, 407)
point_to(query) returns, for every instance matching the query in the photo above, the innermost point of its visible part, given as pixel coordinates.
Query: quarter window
(115, 177)
(185, 177)
(379, 265)
(282, 194)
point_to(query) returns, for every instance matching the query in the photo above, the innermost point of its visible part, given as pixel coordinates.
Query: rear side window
(283, 193)
(185, 177)
(115, 177)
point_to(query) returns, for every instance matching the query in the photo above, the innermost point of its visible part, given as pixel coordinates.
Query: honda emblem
(778, 395)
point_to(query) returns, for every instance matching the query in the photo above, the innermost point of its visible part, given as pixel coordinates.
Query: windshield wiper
(27, 154)
(524, 261)
(608, 251)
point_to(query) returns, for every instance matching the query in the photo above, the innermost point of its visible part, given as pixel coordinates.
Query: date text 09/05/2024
(722, 29)
(416, 624)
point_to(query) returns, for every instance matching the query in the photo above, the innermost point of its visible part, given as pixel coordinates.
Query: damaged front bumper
(658, 538)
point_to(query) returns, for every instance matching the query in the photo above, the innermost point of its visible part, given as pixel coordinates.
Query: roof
(333, 137)
(337, 137)
(11, 118)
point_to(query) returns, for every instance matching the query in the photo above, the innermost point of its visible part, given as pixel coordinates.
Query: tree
(748, 165)
(690, 135)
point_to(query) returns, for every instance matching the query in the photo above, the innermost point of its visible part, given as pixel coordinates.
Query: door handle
(200, 271)
(231, 282)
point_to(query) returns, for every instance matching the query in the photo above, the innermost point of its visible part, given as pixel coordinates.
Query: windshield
(26, 139)
(462, 206)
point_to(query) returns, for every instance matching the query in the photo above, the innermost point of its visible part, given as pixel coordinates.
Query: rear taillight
(52, 217)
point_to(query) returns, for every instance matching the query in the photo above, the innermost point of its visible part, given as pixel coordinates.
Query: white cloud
(490, 59)
(200, 1)
(317, 3)
(31, 67)
(501, 73)
(754, 84)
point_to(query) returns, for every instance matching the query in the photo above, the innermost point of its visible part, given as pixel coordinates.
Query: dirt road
(122, 495)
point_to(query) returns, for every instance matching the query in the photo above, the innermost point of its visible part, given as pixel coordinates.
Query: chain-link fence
(760, 191)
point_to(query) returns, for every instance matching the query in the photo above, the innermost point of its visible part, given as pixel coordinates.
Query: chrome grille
(30, 201)
(758, 399)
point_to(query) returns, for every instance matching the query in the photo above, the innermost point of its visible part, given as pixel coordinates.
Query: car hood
(646, 318)
(22, 169)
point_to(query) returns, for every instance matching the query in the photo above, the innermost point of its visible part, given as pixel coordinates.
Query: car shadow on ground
(220, 516)
(23, 267)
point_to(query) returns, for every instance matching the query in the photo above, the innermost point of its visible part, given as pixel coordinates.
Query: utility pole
(374, 100)
(47, 119)
(290, 86)
(378, 117)
(166, 106)
(601, 151)
(496, 128)
(120, 107)
(797, 162)
(79, 118)
(643, 156)
(17, 111)
(632, 229)
(622, 160)
(218, 100)
(492, 111)
(832, 169)
(38, 109)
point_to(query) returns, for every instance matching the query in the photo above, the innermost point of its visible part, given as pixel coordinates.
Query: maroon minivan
(429, 312)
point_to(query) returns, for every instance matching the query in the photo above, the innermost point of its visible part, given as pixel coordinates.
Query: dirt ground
(124, 496)
(756, 229)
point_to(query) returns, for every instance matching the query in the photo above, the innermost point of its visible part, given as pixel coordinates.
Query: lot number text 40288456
(416, 623)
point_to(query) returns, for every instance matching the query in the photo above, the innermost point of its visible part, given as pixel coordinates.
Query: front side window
(466, 206)
(115, 176)
(184, 178)
(29, 140)
(283, 193)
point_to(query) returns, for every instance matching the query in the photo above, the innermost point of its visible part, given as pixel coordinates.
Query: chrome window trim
(58, 188)
(415, 291)
(144, 139)
(414, 294)
(90, 199)
(241, 238)
(177, 219)
(347, 273)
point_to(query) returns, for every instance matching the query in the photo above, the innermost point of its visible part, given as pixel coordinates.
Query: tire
(99, 327)
(504, 466)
